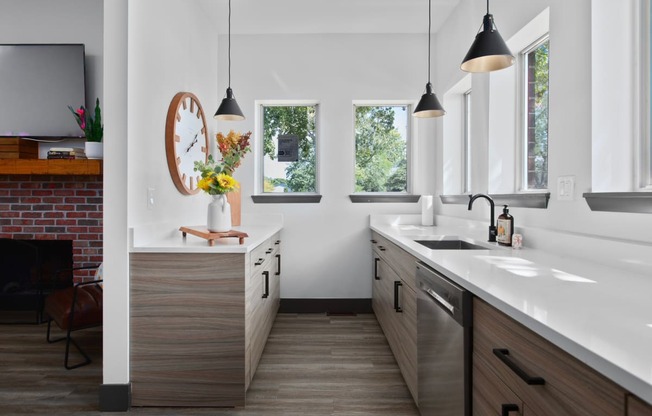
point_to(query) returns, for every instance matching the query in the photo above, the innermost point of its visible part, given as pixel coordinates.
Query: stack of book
(66, 153)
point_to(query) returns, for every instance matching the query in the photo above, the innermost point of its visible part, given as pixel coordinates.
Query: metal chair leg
(87, 359)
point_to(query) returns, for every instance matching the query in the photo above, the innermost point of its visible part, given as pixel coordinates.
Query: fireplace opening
(28, 271)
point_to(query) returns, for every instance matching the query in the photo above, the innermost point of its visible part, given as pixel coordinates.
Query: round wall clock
(186, 141)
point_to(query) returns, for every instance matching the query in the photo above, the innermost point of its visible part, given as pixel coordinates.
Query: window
(535, 66)
(289, 148)
(645, 181)
(382, 148)
(466, 162)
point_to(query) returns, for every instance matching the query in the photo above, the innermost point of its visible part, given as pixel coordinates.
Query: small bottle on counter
(505, 228)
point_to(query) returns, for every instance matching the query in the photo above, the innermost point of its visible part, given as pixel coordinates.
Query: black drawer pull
(278, 270)
(266, 288)
(259, 262)
(374, 241)
(503, 355)
(397, 307)
(376, 260)
(269, 250)
(381, 248)
(508, 408)
(277, 242)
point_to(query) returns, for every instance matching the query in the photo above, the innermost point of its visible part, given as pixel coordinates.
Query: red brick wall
(43, 207)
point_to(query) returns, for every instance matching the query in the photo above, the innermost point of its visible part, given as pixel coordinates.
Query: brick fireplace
(55, 207)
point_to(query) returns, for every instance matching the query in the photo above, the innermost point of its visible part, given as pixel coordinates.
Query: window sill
(529, 200)
(637, 202)
(286, 199)
(373, 198)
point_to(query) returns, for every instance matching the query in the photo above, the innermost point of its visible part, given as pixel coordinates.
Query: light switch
(150, 198)
(566, 188)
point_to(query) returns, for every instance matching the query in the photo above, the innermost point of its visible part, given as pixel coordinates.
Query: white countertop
(601, 315)
(166, 238)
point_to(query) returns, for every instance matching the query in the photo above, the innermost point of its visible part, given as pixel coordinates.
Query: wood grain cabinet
(199, 324)
(637, 407)
(514, 366)
(394, 302)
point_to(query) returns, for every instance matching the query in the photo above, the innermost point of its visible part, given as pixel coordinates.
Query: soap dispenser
(505, 228)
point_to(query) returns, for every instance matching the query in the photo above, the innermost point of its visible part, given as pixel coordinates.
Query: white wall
(172, 48)
(571, 119)
(326, 246)
(61, 21)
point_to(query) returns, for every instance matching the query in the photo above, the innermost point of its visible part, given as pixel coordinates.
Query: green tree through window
(296, 176)
(537, 116)
(381, 163)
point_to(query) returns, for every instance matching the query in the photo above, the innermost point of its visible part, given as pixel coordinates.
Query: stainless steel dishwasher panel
(444, 345)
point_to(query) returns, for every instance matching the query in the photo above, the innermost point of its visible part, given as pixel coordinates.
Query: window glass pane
(381, 134)
(466, 163)
(292, 166)
(537, 116)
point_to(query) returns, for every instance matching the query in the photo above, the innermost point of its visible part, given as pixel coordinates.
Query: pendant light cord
(487, 6)
(230, 43)
(429, 26)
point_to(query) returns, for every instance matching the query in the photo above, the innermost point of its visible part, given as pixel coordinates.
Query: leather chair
(74, 308)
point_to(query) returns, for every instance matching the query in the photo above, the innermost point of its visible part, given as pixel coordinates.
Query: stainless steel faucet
(492, 224)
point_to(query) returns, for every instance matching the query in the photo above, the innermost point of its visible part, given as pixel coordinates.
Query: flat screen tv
(37, 84)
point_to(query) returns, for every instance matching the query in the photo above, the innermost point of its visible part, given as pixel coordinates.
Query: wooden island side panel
(187, 329)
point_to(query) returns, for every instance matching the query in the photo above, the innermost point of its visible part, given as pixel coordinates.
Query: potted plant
(92, 128)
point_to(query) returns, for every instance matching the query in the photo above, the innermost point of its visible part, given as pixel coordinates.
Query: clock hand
(193, 143)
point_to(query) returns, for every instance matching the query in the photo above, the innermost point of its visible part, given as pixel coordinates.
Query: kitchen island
(201, 314)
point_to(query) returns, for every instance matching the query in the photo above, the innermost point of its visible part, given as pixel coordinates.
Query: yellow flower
(205, 183)
(227, 182)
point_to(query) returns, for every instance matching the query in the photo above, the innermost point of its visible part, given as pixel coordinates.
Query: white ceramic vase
(94, 150)
(219, 215)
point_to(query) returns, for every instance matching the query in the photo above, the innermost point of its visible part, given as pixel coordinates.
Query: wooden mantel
(50, 167)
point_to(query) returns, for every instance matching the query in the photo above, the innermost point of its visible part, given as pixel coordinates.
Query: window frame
(466, 151)
(522, 137)
(410, 149)
(644, 90)
(260, 196)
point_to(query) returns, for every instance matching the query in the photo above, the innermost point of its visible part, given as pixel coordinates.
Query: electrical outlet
(566, 188)
(150, 198)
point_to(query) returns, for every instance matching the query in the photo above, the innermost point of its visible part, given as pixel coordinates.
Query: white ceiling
(328, 16)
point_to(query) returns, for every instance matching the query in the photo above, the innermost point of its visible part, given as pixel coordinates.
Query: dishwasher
(444, 318)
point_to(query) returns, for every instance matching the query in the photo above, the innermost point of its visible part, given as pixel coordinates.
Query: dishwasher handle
(439, 299)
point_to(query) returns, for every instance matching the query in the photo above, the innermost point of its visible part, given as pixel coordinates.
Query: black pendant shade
(429, 105)
(489, 51)
(229, 109)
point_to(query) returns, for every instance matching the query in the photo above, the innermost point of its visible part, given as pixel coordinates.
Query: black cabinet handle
(266, 288)
(259, 262)
(374, 241)
(381, 248)
(278, 265)
(376, 260)
(508, 408)
(277, 242)
(269, 250)
(397, 307)
(503, 355)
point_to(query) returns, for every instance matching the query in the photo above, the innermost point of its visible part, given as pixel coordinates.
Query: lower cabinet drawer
(637, 407)
(570, 387)
(490, 395)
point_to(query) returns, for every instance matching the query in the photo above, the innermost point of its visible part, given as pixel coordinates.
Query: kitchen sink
(450, 245)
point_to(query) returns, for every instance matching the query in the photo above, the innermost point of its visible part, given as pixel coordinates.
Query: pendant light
(229, 108)
(429, 105)
(489, 51)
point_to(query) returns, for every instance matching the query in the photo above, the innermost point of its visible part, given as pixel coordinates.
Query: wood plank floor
(312, 365)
